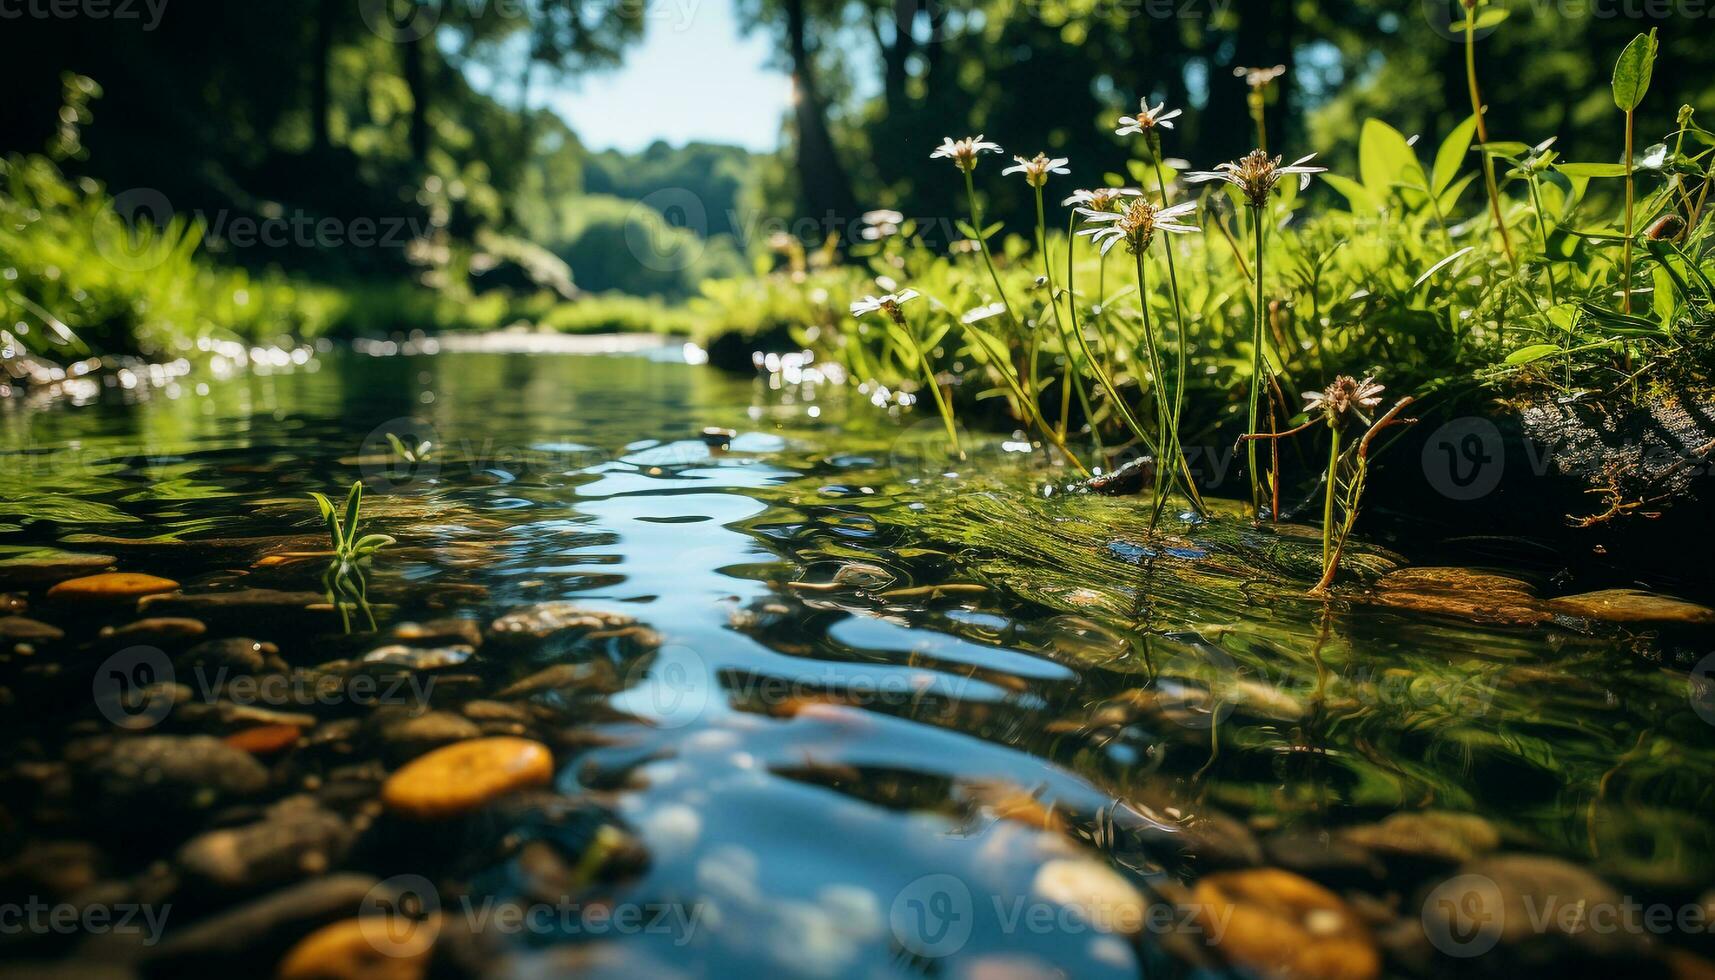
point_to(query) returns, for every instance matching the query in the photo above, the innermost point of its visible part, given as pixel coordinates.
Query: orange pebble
(112, 585)
(265, 739)
(461, 777)
(368, 948)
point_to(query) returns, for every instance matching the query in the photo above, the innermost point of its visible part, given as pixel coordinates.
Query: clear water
(889, 686)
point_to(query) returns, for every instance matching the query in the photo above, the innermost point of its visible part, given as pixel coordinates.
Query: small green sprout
(417, 454)
(344, 582)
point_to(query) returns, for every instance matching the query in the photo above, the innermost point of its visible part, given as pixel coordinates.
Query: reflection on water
(874, 710)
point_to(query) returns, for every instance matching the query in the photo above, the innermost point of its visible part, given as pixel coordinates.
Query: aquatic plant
(410, 454)
(344, 581)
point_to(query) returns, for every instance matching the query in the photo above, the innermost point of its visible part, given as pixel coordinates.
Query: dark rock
(260, 930)
(295, 839)
(166, 776)
(18, 629)
(235, 655)
(407, 736)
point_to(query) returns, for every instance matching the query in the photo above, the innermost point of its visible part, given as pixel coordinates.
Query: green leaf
(1592, 169)
(353, 501)
(1490, 18)
(1385, 158)
(1452, 154)
(1535, 352)
(1632, 72)
(1437, 267)
(1450, 196)
(1359, 197)
(331, 518)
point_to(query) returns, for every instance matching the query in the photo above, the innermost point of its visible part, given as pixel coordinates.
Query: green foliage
(1633, 70)
(79, 280)
(344, 581)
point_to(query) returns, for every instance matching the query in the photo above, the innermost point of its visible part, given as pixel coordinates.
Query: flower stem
(1257, 223)
(1179, 380)
(988, 260)
(1483, 130)
(1328, 502)
(1165, 469)
(935, 390)
(1069, 376)
(1626, 293)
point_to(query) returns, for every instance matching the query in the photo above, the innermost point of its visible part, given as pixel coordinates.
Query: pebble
(376, 948)
(265, 739)
(248, 932)
(1278, 924)
(544, 619)
(407, 736)
(111, 585)
(594, 675)
(463, 777)
(295, 839)
(131, 774)
(416, 658)
(51, 566)
(449, 631)
(157, 629)
(239, 654)
(1539, 906)
(1632, 606)
(1434, 836)
(18, 629)
(1102, 898)
(1461, 593)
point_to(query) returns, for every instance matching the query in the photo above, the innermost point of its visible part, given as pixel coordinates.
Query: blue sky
(691, 78)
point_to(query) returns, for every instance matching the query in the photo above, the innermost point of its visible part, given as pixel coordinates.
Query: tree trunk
(896, 56)
(823, 185)
(416, 57)
(321, 98)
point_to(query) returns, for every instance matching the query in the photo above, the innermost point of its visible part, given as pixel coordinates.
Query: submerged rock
(156, 629)
(177, 773)
(1278, 924)
(594, 675)
(1432, 836)
(1460, 593)
(261, 929)
(390, 947)
(1632, 606)
(545, 619)
(51, 566)
(407, 736)
(1101, 897)
(111, 586)
(18, 629)
(463, 777)
(295, 839)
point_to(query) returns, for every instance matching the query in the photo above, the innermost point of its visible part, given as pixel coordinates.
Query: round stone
(112, 585)
(1278, 924)
(462, 777)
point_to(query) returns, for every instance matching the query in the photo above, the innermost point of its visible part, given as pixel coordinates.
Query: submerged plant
(344, 580)
(1257, 174)
(410, 454)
